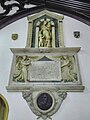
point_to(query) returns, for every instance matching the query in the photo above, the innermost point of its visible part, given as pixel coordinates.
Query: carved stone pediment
(45, 30)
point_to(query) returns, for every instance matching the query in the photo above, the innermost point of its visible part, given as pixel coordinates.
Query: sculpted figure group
(68, 70)
(45, 34)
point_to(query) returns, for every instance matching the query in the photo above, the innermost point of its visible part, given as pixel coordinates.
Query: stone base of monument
(44, 103)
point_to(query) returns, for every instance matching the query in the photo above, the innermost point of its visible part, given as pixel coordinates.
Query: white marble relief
(21, 69)
(68, 69)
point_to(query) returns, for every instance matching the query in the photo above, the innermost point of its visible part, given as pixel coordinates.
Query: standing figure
(67, 69)
(41, 40)
(21, 69)
(18, 70)
(25, 62)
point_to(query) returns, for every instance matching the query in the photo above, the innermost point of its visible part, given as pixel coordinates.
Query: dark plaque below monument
(44, 101)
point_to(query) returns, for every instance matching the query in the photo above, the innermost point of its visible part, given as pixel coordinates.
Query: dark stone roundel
(44, 101)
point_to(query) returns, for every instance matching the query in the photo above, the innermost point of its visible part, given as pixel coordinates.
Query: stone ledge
(67, 88)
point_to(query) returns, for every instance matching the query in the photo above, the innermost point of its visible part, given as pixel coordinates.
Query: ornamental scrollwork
(32, 96)
(8, 5)
(12, 10)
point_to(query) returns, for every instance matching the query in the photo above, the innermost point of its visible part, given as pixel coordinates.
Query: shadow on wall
(4, 108)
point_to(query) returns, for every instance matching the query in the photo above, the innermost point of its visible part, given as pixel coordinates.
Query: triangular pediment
(45, 59)
(45, 12)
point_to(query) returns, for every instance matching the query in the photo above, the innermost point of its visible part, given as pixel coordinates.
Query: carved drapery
(60, 63)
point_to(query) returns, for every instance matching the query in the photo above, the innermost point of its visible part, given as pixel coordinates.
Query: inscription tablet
(45, 71)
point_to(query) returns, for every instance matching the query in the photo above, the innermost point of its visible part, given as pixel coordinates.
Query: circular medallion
(44, 101)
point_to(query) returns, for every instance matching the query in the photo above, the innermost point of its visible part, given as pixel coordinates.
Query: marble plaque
(45, 71)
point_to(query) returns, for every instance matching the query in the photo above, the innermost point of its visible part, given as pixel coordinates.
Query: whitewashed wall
(77, 105)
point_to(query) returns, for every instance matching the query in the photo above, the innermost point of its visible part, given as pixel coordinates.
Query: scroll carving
(8, 5)
(31, 98)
